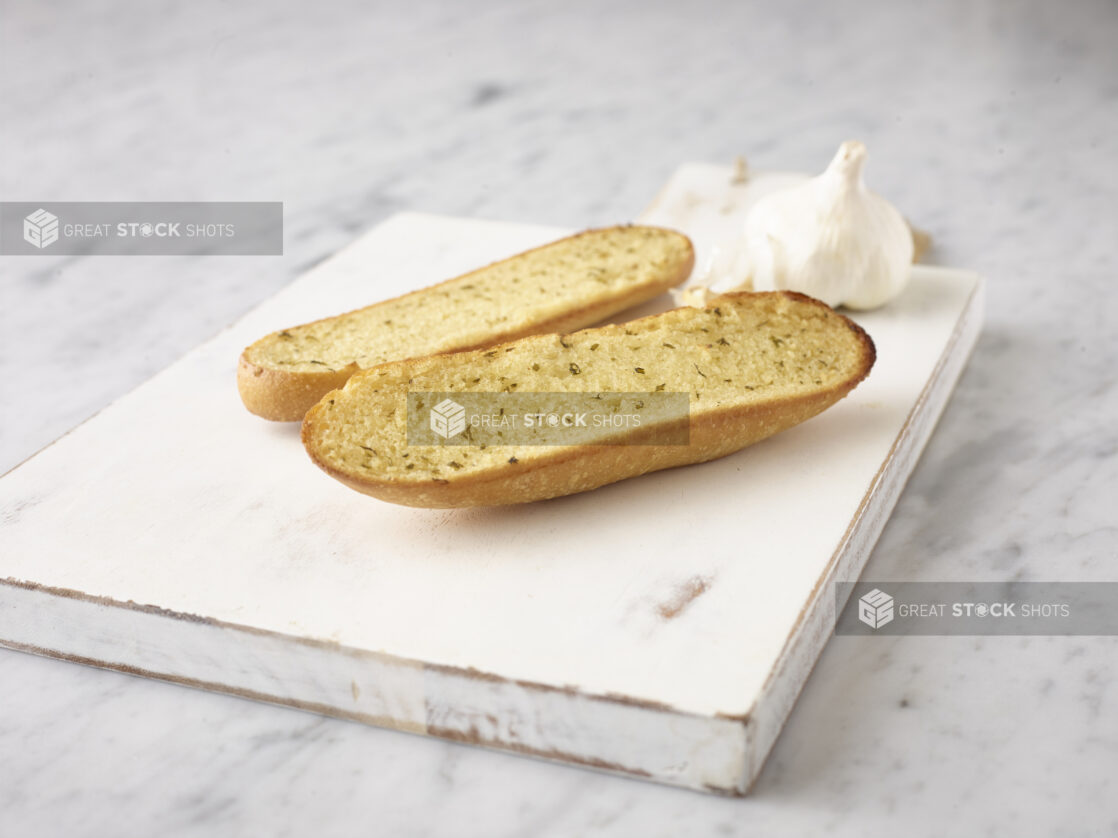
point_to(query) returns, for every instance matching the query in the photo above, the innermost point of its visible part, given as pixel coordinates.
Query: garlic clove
(722, 271)
(888, 266)
(695, 296)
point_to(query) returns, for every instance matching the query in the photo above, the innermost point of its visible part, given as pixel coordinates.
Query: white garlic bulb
(831, 238)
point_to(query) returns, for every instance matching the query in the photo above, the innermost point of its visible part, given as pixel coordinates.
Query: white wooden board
(660, 627)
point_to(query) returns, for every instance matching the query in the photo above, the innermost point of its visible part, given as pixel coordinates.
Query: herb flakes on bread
(753, 364)
(564, 285)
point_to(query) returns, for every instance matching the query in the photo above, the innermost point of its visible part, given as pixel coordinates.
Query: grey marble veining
(991, 124)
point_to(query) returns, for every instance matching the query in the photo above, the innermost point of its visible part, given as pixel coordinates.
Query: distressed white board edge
(710, 205)
(818, 618)
(609, 733)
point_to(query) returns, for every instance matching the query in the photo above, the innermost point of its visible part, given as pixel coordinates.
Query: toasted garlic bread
(565, 285)
(752, 364)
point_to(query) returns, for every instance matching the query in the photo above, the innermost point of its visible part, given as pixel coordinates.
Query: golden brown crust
(713, 434)
(285, 396)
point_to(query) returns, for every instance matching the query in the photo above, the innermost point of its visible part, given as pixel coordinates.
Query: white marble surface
(991, 124)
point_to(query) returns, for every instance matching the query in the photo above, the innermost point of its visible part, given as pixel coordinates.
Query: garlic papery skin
(831, 238)
(724, 270)
(695, 296)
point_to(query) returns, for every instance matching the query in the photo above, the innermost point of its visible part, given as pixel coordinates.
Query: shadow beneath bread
(666, 508)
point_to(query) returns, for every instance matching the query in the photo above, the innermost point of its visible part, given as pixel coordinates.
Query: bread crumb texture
(507, 298)
(752, 364)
